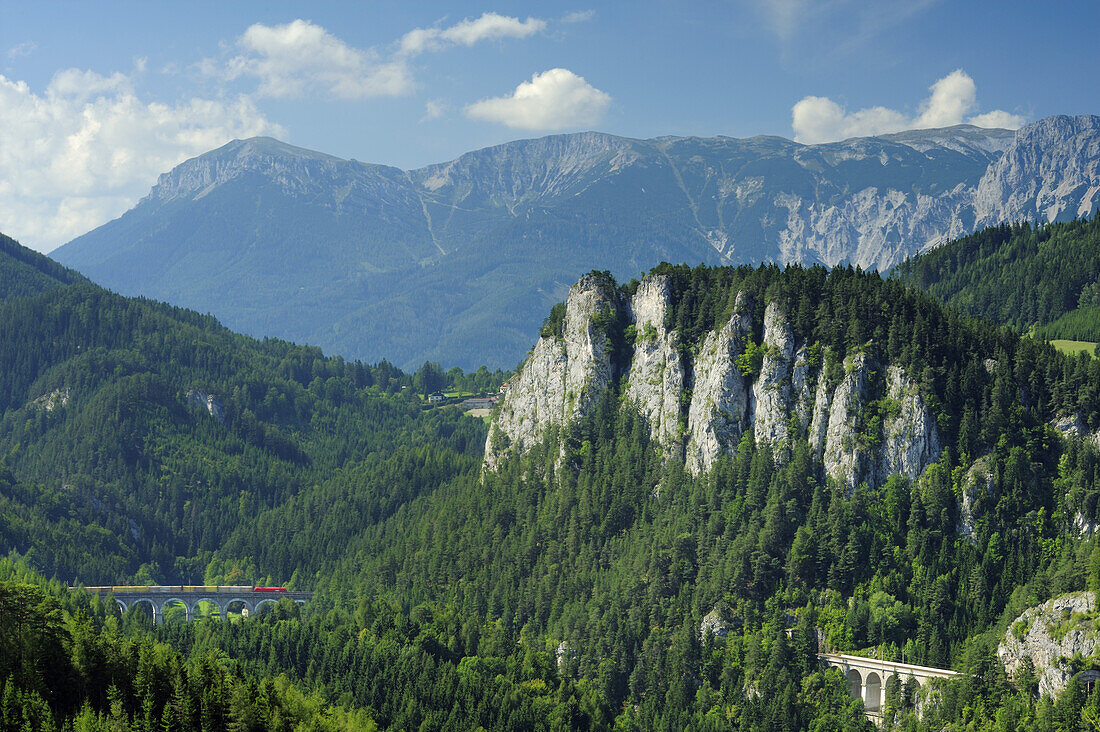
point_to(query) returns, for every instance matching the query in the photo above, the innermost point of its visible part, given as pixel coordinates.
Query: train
(188, 588)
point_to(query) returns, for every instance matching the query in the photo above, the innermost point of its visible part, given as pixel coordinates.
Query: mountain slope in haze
(1045, 277)
(454, 262)
(25, 272)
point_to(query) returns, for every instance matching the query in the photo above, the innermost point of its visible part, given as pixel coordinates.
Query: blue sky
(97, 99)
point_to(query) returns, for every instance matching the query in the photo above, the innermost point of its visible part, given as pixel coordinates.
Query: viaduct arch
(868, 677)
(160, 597)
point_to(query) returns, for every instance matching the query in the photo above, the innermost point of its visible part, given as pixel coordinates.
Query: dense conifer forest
(565, 590)
(1041, 276)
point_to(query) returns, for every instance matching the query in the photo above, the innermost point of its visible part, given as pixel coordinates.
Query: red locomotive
(269, 589)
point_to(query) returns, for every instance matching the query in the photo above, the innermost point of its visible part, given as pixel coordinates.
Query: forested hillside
(585, 570)
(136, 438)
(588, 581)
(1045, 277)
(24, 272)
(67, 662)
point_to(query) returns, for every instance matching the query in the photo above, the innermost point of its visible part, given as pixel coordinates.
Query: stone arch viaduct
(161, 596)
(868, 677)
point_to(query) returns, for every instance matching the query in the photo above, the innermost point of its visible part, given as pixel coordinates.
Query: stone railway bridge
(160, 596)
(867, 677)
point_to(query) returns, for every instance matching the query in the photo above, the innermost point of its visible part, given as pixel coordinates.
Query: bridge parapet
(160, 596)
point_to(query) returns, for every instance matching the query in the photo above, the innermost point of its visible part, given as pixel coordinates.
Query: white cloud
(952, 98)
(552, 100)
(784, 16)
(467, 32)
(26, 48)
(999, 118)
(300, 58)
(87, 148)
(580, 16)
(841, 24)
(434, 109)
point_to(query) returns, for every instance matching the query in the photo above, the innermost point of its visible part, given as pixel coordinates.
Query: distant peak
(267, 156)
(268, 146)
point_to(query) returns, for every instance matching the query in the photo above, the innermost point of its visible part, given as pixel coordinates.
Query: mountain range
(457, 262)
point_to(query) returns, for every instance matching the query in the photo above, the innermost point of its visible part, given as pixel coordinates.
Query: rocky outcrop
(771, 394)
(802, 382)
(719, 410)
(863, 420)
(563, 375)
(656, 379)
(714, 625)
(56, 399)
(1085, 527)
(207, 403)
(910, 438)
(1050, 635)
(844, 454)
(977, 485)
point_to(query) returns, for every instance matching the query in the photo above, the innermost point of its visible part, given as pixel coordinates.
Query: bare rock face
(1050, 171)
(1049, 635)
(56, 399)
(656, 373)
(819, 421)
(771, 394)
(719, 411)
(978, 483)
(561, 378)
(713, 624)
(845, 458)
(911, 440)
(207, 403)
(862, 427)
(1070, 425)
(802, 378)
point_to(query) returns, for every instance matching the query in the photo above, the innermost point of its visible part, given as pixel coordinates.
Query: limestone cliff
(563, 374)
(844, 455)
(910, 440)
(865, 421)
(719, 409)
(771, 394)
(1051, 635)
(656, 373)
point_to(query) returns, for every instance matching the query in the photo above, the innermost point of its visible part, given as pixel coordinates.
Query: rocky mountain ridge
(456, 261)
(864, 420)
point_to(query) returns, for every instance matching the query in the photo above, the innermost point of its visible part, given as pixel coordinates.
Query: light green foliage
(750, 359)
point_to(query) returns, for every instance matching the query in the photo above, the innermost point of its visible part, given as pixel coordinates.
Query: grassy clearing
(1072, 348)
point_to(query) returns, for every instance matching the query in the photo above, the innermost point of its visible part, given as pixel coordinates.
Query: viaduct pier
(160, 596)
(867, 677)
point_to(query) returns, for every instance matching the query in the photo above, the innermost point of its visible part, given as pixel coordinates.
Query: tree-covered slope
(25, 272)
(662, 599)
(589, 580)
(136, 437)
(1045, 277)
